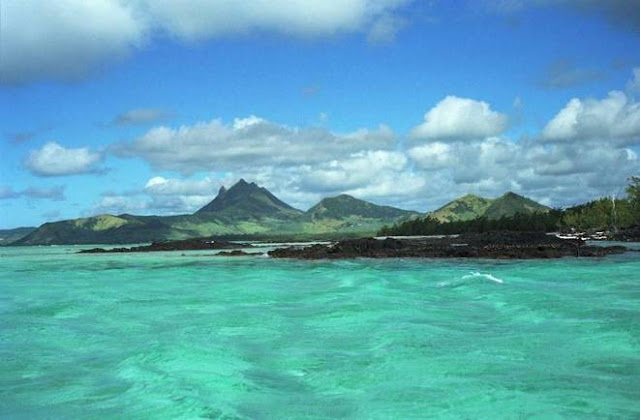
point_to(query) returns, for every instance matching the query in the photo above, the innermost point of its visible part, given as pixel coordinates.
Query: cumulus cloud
(431, 156)
(142, 116)
(217, 146)
(460, 118)
(54, 193)
(203, 19)
(352, 172)
(615, 118)
(120, 204)
(44, 39)
(55, 160)
(65, 39)
(160, 195)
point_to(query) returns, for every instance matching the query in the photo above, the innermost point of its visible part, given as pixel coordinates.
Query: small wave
(476, 274)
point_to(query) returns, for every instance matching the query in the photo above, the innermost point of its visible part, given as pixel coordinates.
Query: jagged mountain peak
(247, 199)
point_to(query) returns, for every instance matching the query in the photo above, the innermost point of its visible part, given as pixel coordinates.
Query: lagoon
(175, 335)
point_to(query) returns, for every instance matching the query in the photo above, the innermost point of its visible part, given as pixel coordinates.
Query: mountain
(245, 209)
(347, 214)
(510, 204)
(471, 207)
(100, 229)
(247, 200)
(467, 207)
(11, 235)
(344, 205)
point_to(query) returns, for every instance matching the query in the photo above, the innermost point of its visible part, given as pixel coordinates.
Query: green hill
(467, 207)
(471, 207)
(510, 204)
(11, 235)
(245, 209)
(344, 205)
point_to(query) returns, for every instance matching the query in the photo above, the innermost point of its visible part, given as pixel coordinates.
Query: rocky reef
(181, 245)
(495, 245)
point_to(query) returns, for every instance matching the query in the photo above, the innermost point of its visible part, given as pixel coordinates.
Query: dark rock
(631, 234)
(182, 245)
(496, 245)
(235, 253)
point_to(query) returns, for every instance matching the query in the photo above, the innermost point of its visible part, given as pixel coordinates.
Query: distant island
(248, 211)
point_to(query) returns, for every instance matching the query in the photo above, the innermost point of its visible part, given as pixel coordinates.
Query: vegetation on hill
(511, 204)
(518, 213)
(11, 235)
(470, 207)
(343, 205)
(467, 207)
(519, 222)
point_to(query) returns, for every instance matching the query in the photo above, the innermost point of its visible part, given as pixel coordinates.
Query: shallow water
(186, 335)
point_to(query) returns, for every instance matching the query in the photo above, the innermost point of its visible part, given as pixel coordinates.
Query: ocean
(184, 335)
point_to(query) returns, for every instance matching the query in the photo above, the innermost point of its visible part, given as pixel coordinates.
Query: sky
(149, 107)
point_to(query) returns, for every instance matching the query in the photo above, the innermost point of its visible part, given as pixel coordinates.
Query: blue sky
(149, 107)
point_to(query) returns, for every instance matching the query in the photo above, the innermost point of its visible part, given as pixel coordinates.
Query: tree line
(603, 214)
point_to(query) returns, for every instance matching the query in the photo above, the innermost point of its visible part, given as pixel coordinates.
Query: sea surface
(191, 336)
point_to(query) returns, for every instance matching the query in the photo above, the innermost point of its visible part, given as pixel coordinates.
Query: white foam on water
(476, 274)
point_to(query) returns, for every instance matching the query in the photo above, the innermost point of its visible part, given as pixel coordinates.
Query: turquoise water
(172, 336)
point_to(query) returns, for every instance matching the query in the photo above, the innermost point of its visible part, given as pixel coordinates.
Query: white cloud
(353, 172)
(436, 155)
(460, 118)
(615, 118)
(385, 29)
(161, 195)
(44, 39)
(119, 204)
(206, 187)
(55, 160)
(213, 145)
(633, 85)
(204, 19)
(64, 39)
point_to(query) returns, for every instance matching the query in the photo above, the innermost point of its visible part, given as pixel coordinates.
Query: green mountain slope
(344, 205)
(248, 201)
(11, 235)
(471, 207)
(101, 229)
(244, 209)
(510, 204)
(348, 214)
(467, 207)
